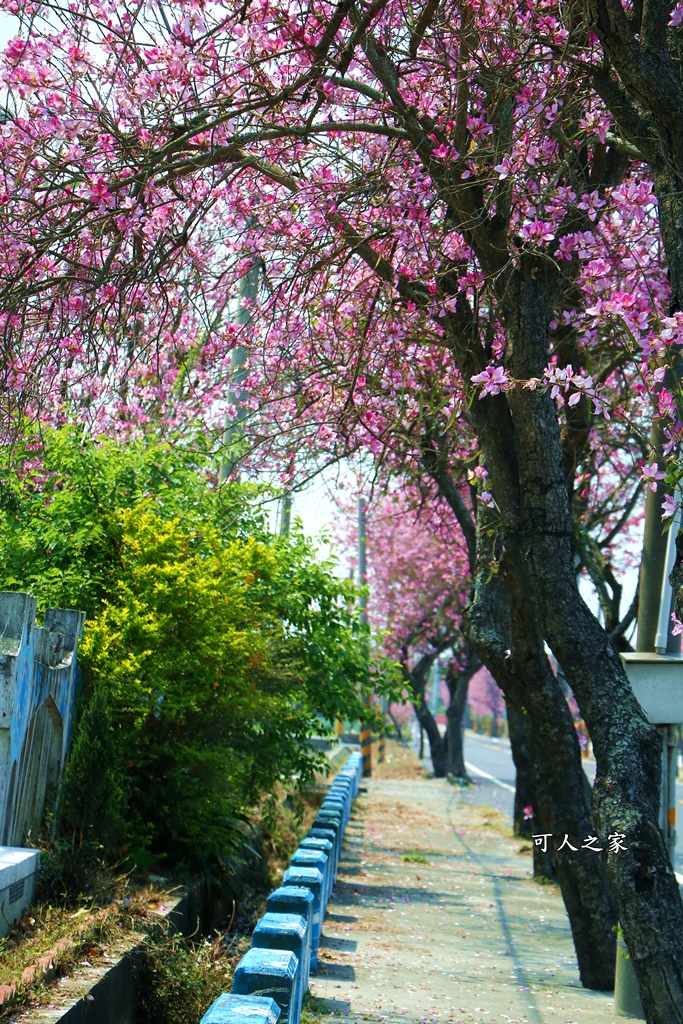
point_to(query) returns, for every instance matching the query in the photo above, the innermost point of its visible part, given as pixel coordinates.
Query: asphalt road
(490, 764)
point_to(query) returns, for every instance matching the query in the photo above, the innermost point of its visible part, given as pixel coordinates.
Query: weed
(414, 858)
(494, 819)
(74, 872)
(313, 1009)
(181, 978)
(543, 880)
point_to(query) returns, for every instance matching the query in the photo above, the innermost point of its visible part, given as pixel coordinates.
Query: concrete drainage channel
(107, 993)
(271, 979)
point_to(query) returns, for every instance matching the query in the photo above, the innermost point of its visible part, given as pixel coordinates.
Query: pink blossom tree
(462, 262)
(418, 578)
(485, 698)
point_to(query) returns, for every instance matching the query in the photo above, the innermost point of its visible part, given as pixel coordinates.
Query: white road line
(485, 775)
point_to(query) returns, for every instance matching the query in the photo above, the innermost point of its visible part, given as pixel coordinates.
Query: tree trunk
(498, 627)
(625, 801)
(525, 795)
(437, 746)
(458, 684)
(397, 726)
(523, 453)
(503, 626)
(527, 815)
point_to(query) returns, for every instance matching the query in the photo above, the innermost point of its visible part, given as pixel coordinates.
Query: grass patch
(495, 820)
(57, 938)
(182, 978)
(414, 858)
(313, 1009)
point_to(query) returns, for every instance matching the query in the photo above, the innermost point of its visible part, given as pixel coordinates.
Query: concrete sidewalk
(466, 936)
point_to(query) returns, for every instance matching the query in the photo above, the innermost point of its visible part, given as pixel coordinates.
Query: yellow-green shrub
(216, 660)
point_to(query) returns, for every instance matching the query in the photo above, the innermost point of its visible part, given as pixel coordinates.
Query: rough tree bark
(522, 450)
(458, 684)
(559, 782)
(524, 784)
(437, 746)
(525, 794)
(499, 623)
(417, 681)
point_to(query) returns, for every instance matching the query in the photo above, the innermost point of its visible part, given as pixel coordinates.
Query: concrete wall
(38, 681)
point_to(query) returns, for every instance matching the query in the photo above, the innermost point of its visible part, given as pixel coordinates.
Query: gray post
(665, 643)
(365, 730)
(362, 559)
(654, 631)
(234, 425)
(286, 520)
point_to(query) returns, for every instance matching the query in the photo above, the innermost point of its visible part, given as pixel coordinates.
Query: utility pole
(652, 567)
(286, 519)
(365, 730)
(654, 591)
(234, 425)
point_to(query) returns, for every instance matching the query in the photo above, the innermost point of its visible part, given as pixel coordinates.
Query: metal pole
(667, 816)
(434, 688)
(365, 731)
(286, 521)
(381, 750)
(665, 643)
(672, 758)
(234, 425)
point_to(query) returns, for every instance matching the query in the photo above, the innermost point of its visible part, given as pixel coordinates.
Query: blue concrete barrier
(295, 899)
(327, 847)
(233, 1009)
(272, 978)
(354, 767)
(330, 819)
(344, 790)
(286, 931)
(318, 832)
(331, 836)
(273, 973)
(343, 785)
(312, 879)
(336, 804)
(334, 823)
(303, 858)
(331, 825)
(329, 814)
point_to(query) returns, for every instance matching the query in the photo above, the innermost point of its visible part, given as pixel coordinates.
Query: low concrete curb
(312, 869)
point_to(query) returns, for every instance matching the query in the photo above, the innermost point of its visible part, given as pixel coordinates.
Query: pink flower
(651, 474)
(487, 499)
(493, 379)
(669, 507)
(678, 625)
(444, 152)
(528, 813)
